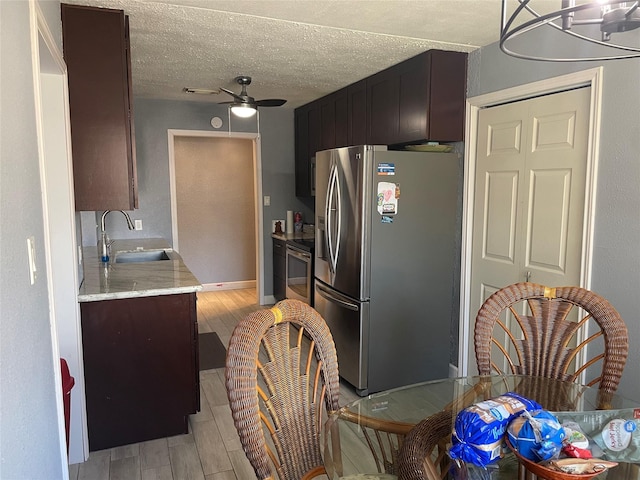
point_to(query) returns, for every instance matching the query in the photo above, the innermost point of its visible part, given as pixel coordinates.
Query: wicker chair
(288, 380)
(423, 455)
(384, 439)
(546, 344)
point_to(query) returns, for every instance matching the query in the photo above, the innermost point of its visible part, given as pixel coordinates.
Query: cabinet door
(341, 102)
(383, 113)
(302, 161)
(446, 95)
(279, 267)
(314, 145)
(140, 367)
(131, 150)
(357, 113)
(96, 51)
(315, 129)
(327, 123)
(307, 138)
(334, 120)
(413, 99)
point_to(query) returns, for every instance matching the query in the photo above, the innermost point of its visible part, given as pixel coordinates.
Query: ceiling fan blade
(271, 102)
(237, 97)
(202, 91)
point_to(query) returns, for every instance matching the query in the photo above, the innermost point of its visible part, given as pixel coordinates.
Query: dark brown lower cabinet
(279, 269)
(140, 368)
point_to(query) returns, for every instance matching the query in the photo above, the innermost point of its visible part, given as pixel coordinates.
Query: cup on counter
(289, 222)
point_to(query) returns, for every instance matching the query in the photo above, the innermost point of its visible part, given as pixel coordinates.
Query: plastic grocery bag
(536, 435)
(479, 429)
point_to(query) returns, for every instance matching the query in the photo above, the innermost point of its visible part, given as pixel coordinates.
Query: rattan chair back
(383, 437)
(546, 341)
(282, 380)
(423, 455)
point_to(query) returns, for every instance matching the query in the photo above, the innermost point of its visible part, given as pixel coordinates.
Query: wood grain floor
(211, 450)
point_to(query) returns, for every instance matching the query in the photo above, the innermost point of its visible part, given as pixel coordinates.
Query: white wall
(29, 434)
(616, 256)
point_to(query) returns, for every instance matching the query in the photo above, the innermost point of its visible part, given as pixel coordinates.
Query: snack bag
(478, 430)
(576, 443)
(536, 435)
(615, 434)
(620, 439)
(580, 466)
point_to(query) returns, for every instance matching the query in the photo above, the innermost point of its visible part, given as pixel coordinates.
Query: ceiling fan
(245, 106)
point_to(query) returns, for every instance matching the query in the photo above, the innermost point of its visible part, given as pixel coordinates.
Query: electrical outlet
(138, 224)
(79, 254)
(267, 201)
(31, 252)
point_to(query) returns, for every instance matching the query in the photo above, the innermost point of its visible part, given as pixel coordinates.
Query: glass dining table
(362, 439)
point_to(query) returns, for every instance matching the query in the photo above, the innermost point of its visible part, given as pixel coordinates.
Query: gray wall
(152, 120)
(616, 256)
(29, 437)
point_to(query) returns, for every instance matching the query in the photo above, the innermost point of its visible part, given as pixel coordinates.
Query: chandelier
(599, 23)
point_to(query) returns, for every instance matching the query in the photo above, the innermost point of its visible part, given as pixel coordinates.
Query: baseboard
(210, 287)
(453, 371)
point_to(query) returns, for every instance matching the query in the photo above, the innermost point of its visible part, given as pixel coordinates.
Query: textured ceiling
(297, 50)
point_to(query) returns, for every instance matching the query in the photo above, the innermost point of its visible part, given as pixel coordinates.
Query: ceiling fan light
(243, 110)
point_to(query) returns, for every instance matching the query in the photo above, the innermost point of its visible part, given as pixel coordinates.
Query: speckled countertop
(129, 280)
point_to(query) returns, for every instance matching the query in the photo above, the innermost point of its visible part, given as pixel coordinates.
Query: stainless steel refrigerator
(387, 253)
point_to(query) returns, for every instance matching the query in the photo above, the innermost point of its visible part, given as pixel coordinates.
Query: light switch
(31, 252)
(267, 200)
(138, 224)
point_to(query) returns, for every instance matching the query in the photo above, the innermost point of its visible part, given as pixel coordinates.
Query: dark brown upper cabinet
(308, 127)
(97, 53)
(418, 100)
(334, 120)
(357, 113)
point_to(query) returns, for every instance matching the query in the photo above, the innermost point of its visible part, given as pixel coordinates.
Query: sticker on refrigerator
(387, 200)
(386, 169)
(386, 219)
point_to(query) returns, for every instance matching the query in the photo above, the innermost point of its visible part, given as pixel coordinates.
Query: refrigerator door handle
(332, 297)
(338, 205)
(329, 214)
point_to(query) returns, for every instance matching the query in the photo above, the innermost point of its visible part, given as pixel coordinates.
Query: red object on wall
(67, 384)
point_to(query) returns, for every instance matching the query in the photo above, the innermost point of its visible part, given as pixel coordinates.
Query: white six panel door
(529, 195)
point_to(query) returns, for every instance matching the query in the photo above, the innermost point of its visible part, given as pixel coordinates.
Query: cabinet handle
(527, 276)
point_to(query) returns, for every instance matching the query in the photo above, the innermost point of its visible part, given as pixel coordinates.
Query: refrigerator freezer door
(348, 321)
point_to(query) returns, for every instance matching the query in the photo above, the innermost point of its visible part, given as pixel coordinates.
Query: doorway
(477, 193)
(216, 216)
(62, 275)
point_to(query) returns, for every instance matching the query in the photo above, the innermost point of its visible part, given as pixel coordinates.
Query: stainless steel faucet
(126, 215)
(104, 243)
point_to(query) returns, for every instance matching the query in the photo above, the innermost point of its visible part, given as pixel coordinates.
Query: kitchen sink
(141, 256)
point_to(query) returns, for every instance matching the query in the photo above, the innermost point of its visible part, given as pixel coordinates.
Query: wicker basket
(545, 472)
